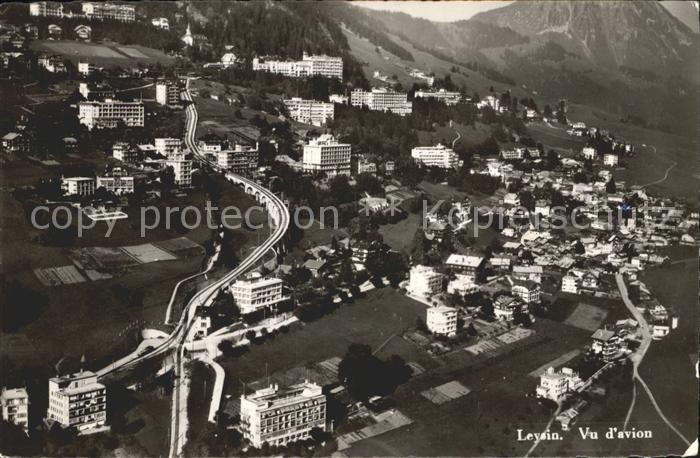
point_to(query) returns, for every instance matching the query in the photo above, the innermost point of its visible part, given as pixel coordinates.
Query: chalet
(15, 142)
(606, 344)
(527, 291)
(52, 63)
(55, 32)
(505, 307)
(83, 32)
(464, 263)
(532, 273)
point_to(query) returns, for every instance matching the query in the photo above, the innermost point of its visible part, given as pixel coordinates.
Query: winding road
(280, 216)
(638, 356)
(175, 342)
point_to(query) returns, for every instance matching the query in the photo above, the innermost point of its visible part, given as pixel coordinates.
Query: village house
(442, 320)
(532, 273)
(467, 264)
(606, 344)
(506, 307)
(424, 281)
(555, 385)
(527, 291)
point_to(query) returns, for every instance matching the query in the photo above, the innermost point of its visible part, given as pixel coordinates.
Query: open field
(97, 319)
(370, 320)
(500, 401)
(678, 352)
(586, 317)
(497, 403)
(105, 54)
(388, 64)
(399, 236)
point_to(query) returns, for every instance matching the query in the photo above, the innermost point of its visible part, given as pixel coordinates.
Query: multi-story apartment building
(339, 98)
(442, 320)
(116, 182)
(528, 291)
(610, 160)
(85, 68)
(322, 65)
(168, 93)
(45, 9)
(15, 406)
(255, 292)
(95, 91)
(366, 166)
(78, 186)
(424, 281)
(52, 63)
(554, 385)
(167, 146)
(280, 416)
(181, 167)
(605, 344)
(77, 401)
(310, 111)
(122, 151)
(110, 114)
(241, 159)
(589, 152)
(325, 154)
(435, 156)
(380, 99)
(111, 11)
(447, 97)
(161, 23)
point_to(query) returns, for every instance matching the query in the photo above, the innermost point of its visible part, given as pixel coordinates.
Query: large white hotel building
(255, 292)
(78, 401)
(381, 99)
(447, 97)
(322, 65)
(325, 154)
(239, 159)
(435, 156)
(310, 111)
(46, 9)
(281, 416)
(110, 113)
(99, 10)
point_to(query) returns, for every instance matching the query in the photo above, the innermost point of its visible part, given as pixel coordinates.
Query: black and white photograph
(349, 228)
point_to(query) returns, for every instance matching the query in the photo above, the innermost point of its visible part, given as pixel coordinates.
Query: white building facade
(181, 167)
(46, 9)
(15, 406)
(78, 186)
(447, 97)
(110, 113)
(310, 111)
(309, 65)
(442, 320)
(554, 385)
(325, 154)
(380, 99)
(111, 11)
(255, 292)
(78, 401)
(424, 281)
(281, 416)
(435, 156)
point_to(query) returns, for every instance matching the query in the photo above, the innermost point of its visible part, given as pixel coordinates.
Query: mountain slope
(640, 34)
